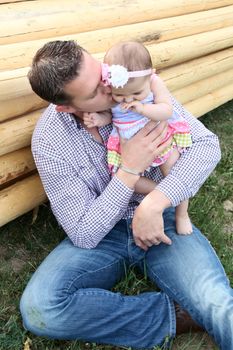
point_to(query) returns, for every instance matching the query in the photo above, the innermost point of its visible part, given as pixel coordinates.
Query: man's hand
(147, 225)
(140, 151)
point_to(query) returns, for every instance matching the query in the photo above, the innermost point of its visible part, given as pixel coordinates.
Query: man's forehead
(91, 71)
(88, 79)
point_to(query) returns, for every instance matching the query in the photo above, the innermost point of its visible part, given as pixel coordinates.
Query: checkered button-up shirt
(86, 201)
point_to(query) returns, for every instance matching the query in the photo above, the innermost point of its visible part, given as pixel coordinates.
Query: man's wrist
(128, 179)
(159, 201)
(130, 171)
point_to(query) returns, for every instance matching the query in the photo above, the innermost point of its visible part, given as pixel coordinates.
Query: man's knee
(31, 308)
(216, 303)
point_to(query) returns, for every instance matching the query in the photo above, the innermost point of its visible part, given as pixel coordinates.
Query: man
(69, 295)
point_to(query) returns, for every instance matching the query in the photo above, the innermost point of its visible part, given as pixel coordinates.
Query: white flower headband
(117, 76)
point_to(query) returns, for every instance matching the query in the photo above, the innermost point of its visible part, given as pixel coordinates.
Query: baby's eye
(137, 93)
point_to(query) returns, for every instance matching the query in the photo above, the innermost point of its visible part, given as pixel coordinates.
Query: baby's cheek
(117, 98)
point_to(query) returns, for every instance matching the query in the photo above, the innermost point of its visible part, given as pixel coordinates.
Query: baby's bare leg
(144, 185)
(183, 222)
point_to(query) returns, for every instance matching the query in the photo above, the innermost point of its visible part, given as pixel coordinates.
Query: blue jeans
(69, 296)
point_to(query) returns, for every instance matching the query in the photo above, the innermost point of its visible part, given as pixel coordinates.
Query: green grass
(23, 245)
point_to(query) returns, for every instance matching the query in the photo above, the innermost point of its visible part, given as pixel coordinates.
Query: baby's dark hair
(131, 54)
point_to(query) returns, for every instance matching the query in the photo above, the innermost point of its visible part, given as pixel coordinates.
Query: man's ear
(64, 108)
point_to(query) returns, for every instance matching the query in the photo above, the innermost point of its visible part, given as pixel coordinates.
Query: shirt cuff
(175, 190)
(118, 194)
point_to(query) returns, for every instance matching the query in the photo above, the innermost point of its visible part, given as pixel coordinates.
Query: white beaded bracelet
(130, 171)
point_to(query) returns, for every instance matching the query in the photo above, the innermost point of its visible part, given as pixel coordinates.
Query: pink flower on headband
(117, 76)
(105, 74)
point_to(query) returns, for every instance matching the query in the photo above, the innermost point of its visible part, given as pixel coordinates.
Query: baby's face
(137, 89)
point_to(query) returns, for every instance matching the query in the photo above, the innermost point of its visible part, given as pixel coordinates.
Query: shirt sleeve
(194, 165)
(85, 216)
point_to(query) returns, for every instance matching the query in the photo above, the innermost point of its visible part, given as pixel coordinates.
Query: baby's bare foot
(183, 225)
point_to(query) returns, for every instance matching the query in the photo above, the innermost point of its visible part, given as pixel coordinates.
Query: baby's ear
(153, 70)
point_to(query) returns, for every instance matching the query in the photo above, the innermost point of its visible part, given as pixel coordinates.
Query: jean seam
(213, 251)
(86, 273)
(172, 316)
(161, 282)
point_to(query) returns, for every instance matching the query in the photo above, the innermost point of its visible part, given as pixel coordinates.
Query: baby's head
(135, 58)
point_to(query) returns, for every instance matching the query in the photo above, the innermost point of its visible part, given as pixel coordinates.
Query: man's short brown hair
(54, 65)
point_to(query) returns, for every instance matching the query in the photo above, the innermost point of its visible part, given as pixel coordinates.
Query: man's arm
(85, 215)
(194, 165)
(84, 203)
(184, 180)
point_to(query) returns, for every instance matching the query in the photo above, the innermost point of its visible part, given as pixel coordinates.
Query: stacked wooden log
(191, 43)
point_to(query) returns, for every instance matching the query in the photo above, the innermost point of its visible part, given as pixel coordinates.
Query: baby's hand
(135, 106)
(92, 119)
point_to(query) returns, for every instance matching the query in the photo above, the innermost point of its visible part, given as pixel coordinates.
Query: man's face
(88, 92)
